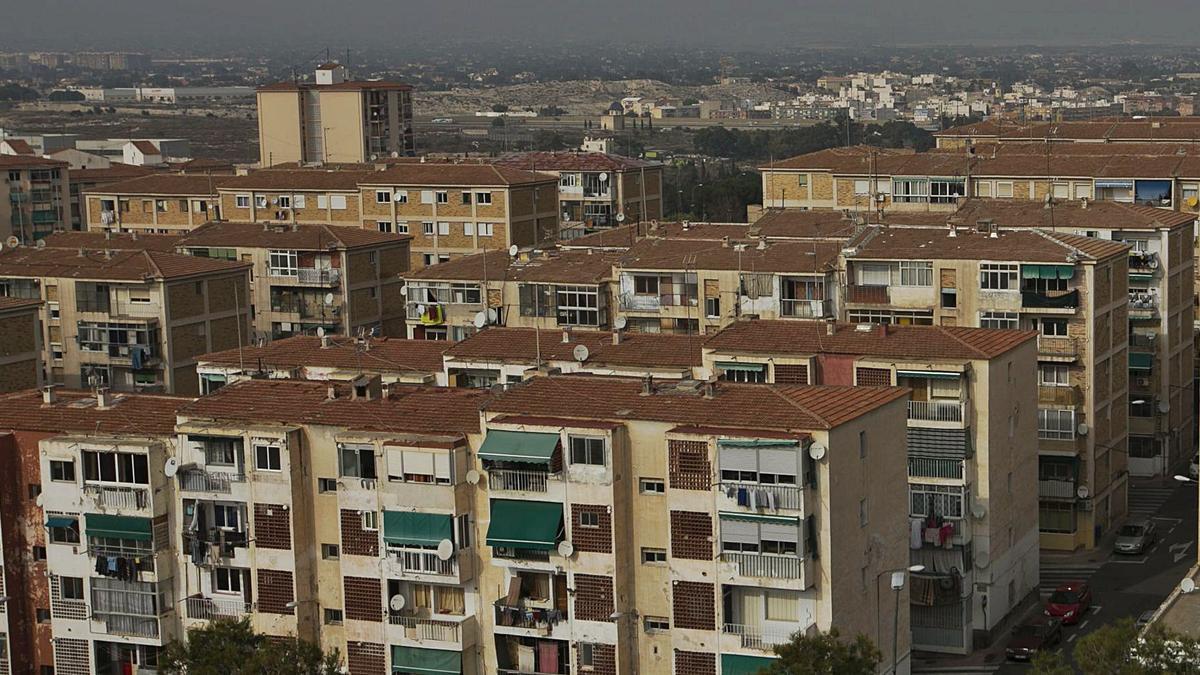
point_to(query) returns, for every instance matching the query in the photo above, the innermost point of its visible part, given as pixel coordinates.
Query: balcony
(934, 467)
(208, 609)
(1045, 301)
(762, 566)
(508, 616)
(1056, 489)
(1143, 305)
(519, 480)
(1060, 396)
(782, 497)
(1058, 347)
(199, 480)
(638, 302)
(758, 637)
(117, 497)
(413, 561)
(868, 295)
(128, 625)
(311, 276)
(1143, 260)
(214, 545)
(416, 628)
(804, 309)
(947, 410)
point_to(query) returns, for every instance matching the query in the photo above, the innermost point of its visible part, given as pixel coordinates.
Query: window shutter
(418, 462)
(441, 465)
(738, 459)
(739, 531)
(775, 460)
(395, 463)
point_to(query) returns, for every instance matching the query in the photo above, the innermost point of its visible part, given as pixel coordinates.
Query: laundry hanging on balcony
(433, 315)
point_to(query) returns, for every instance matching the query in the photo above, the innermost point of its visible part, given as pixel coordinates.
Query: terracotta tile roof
(28, 162)
(797, 224)
(857, 159)
(19, 146)
(572, 161)
(748, 406)
(113, 240)
(1167, 128)
(624, 236)
(810, 257)
(146, 147)
(408, 409)
(201, 165)
(75, 412)
(353, 85)
(386, 355)
(912, 342)
(115, 172)
(296, 179)
(913, 243)
(118, 265)
(442, 173)
(13, 304)
(636, 349)
(164, 184)
(1071, 215)
(300, 238)
(543, 266)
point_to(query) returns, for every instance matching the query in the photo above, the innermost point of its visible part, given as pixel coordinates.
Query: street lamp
(898, 577)
(1185, 479)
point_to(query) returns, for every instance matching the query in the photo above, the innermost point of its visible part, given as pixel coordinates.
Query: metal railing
(757, 637)
(321, 277)
(1057, 345)
(933, 467)
(1056, 489)
(199, 480)
(124, 624)
(527, 617)
(875, 295)
(423, 562)
(199, 607)
(765, 566)
(427, 629)
(118, 497)
(519, 480)
(782, 496)
(936, 411)
(805, 309)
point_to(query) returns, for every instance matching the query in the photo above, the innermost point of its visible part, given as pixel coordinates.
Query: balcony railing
(423, 562)
(765, 566)
(758, 637)
(934, 467)
(1057, 345)
(427, 629)
(936, 411)
(782, 496)
(804, 309)
(319, 277)
(199, 480)
(1143, 260)
(528, 617)
(124, 624)
(1056, 489)
(1143, 302)
(199, 607)
(519, 480)
(871, 295)
(117, 497)
(1037, 300)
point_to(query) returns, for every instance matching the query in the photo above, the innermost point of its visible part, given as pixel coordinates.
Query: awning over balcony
(759, 518)
(410, 528)
(930, 374)
(749, 367)
(61, 521)
(527, 525)
(1127, 184)
(757, 443)
(1047, 271)
(118, 527)
(1144, 278)
(518, 446)
(433, 661)
(939, 443)
(1141, 361)
(741, 664)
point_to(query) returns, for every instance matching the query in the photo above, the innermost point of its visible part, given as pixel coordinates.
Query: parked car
(1069, 602)
(1144, 619)
(1135, 538)
(443, 120)
(1194, 467)
(1036, 634)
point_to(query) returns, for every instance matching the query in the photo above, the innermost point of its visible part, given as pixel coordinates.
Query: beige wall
(279, 127)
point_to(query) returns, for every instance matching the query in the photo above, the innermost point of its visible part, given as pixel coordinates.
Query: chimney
(830, 326)
(331, 392)
(710, 387)
(107, 235)
(324, 342)
(566, 335)
(104, 399)
(953, 229)
(367, 387)
(616, 337)
(48, 396)
(1083, 202)
(648, 385)
(725, 242)
(993, 231)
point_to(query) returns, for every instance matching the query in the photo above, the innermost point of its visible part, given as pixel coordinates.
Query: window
(916, 273)
(1053, 375)
(1056, 516)
(55, 311)
(483, 198)
(370, 520)
(468, 229)
(62, 470)
(1004, 189)
(227, 517)
(283, 264)
(463, 524)
(1053, 327)
(39, 553)
(862, 513)
(402, 226)
(910, 191)
(419, 466)
(654, 556)
(946, 191)
(337, 202)
(71, 588)
(160, 205)
(656, 624)
(329, 551)
(484, 229)
(466, 198)
(586, 656)
(260, 201)
(322, 201)
(43, 616)
(298, 201)
(1008, 320)
(537, 299)
(383, 196)
(1142, 407)
(712, 307)
(927, 499)
(949, 298)
(115, 467)
(781, 606)
(400, 196)
(652, 486)
(443, 197)
(443, 229)
(333, 617)
(227, 580)
(426, 196)
(64, 534)
(384, 225)
(645, 285)
(589, 519)
(1142, 447)
(862, 187)
(998, 277)
(874, 274)
(427, 229)
(266, 458)
(358, 461)
(745, 376)
(326, 485)
(578, 305)
(587, 450)
(284, 201)
(1056, 423)
(983, 189)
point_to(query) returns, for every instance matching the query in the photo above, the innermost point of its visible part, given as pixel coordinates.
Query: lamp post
(898, 577)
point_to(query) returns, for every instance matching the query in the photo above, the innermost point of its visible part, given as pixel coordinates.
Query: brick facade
(271, 527)
(873, 377)
(695, 663)
(594, 597)
(363, 598)
(366, 658)
(275, 591)
(588, 538)
(694, 605)
(356, 540)
(604, 660)
(791, 373)
(691, 535)
(688, 466)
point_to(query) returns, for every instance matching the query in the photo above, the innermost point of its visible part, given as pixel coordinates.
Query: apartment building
(744, 515)
(341, 280)
(128, 319)
(20, 344)
(1164, 130)
(160, 203)
(597, 189)
(344, 516)
(309, 196)
(510, 355)
(1073, 291)
(697, 285)
(334, 119)
(972, 457)
(36, 197)
(326, 359)
(83, 179)
(84, 484)
(539, 288)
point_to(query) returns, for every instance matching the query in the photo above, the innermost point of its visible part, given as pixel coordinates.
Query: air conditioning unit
(1141, 381)
(1085, 504)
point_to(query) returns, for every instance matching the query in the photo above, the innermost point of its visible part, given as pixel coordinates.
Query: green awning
(740, 664)
(61, 521)
(118, 527)
(759, 518)
(1047, 271)
(528, 525)
(518, 446)
(930, 374)
(756, 443)
(416, 529)
(749, 367)
(1140, 361)
(417, 660)
(1145, 278)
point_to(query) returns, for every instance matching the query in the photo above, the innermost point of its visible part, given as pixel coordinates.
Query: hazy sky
(128, 24)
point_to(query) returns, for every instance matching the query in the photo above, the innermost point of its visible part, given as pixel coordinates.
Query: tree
(65, 95)
(499, 108)
(1048, 662)
(227, 647)
(1106, 649)
(497, 121)
(824, 654)
(1117, 649)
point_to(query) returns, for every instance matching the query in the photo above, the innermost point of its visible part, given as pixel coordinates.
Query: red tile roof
(800, 257)
(1101, 215)
(164, 184)
(750, 406)
(285, 236)
(635, 349)
(338, 180)
(544, 266)
(113, 240)
(115, 172)
(19, 146)
(408, 409)
(29, 162)
(448, 174)
(146, 147)
(926, 243)
(385, 355)
(15, 304)
(572, 161)
(75, 412)
(116, 265)
(911, 342)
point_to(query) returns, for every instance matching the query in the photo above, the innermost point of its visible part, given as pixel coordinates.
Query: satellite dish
(473, 477)
(420, 309)
(566, 549)
(978, 510)
(1083, 492)
(41, 244)
(581, 353)
(982, 560)
(329, 298)
(480, 319)
(620, 323)
(13, 242)
(171, 467)
(1187, 585)
(491, 315)
(566, 215)
(404, 291)
(395, 154)
(445, 549)
(513, 250)
(603, 177)
(396, 602)
(274, 201)
(320, 331)
(1164, 407)
(399, 196)
(816, 451)
(1083, 429)
(620, 217)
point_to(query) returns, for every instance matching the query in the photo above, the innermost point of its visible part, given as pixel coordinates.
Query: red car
(1069, 602)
